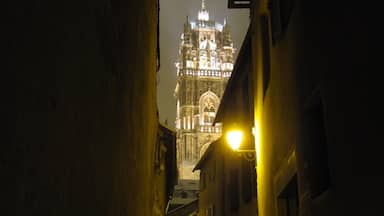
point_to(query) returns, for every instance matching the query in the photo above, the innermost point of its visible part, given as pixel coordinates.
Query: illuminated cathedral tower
(205, 63)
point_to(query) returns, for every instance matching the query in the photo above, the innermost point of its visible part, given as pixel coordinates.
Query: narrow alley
(284, 121)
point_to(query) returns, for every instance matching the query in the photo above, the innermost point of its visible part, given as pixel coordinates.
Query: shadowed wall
(80, 111)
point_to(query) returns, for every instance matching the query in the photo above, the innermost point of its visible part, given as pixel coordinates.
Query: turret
(203, 13)
(227, 40)
(187, 32)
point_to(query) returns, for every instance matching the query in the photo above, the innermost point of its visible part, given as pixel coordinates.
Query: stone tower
(204, 66)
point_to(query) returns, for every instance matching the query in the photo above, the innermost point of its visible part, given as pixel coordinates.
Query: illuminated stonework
(204, 66)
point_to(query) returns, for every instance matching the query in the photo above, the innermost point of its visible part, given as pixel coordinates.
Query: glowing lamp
(234, 138)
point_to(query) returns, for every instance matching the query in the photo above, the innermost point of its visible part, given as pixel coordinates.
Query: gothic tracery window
(208, 111)
(208, 106)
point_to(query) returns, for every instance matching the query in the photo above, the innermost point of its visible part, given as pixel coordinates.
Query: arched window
(208, 106)
(208, 112)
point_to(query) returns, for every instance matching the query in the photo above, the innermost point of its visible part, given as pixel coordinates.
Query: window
(280, 11)
(209, 114)
(184, 147)
(239, 3)
(288, 202)
(210, 211)
(264, 25)
(208, 111)
(317, 148)
(189, 64)
(208, 103)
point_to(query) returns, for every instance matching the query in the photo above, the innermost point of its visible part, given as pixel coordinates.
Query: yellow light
(256, 134)
(234, 138)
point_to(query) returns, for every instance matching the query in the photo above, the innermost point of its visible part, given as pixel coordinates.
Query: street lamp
(236, 139)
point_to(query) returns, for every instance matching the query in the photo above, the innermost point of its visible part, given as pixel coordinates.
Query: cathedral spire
(187, 25)
(203, 13)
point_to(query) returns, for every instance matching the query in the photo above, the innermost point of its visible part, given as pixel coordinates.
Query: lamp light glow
(234, 138)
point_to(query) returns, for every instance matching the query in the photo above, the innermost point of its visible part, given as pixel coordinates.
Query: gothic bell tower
(204, 66)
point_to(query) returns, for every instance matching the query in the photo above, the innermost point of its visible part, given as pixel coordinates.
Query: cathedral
(204, 66)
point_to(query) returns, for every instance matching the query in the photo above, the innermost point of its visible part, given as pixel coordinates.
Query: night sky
(172, 17)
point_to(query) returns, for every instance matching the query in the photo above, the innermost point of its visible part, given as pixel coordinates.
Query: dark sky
(172, 17)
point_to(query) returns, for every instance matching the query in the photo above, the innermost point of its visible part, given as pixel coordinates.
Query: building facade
(165, 175)
(204, 66)
(82, 128)
(315, 155)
